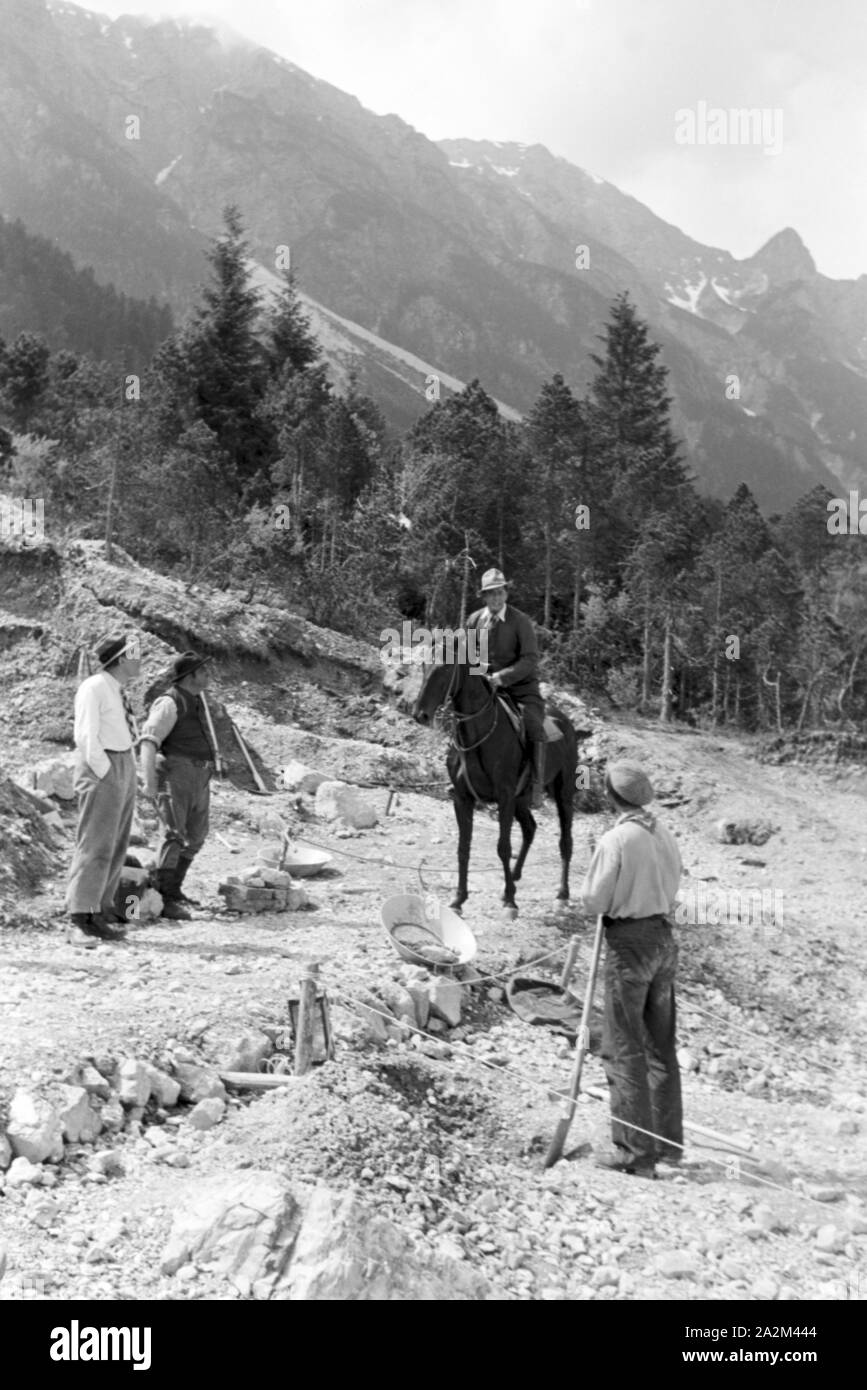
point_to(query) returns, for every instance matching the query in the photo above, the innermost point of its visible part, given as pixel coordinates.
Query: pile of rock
(262, 887)
(415, 998)
(100, 1097)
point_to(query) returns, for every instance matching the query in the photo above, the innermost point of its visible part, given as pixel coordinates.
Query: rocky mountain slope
(459, 258)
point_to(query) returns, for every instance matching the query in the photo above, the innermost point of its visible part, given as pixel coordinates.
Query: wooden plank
(307, 1008)
(254, 1080)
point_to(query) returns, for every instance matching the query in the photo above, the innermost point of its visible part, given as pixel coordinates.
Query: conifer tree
(290, 342)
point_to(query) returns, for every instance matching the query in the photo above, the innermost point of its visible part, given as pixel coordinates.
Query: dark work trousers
(105, 810)
(188, 786)
(533, 707)
(638, 1038)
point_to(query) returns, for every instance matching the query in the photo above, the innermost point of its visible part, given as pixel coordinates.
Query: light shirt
(492, 618)
(100, 721)
(635, 871)
(162, 718)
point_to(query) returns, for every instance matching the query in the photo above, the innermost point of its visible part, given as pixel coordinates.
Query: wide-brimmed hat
(493, 579)
(110, 649)
(630, 782)
(185, 664)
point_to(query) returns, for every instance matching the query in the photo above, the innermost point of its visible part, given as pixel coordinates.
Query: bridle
(458, 719)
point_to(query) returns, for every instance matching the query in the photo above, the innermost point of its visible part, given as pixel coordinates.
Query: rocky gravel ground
(449, 1147)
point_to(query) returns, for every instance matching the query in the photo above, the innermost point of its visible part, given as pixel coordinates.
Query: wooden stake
(306, 1019)
(569, 963)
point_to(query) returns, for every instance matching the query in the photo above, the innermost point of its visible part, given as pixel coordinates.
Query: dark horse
(486, 762)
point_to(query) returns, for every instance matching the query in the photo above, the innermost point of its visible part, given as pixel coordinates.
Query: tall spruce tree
(640, 462)
(555, 439)
(290, 343)
(214, 369)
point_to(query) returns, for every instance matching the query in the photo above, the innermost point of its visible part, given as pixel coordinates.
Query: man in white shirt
(633, 880)
(105, 737)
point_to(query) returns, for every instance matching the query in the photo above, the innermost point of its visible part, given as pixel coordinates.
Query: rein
(458, 719)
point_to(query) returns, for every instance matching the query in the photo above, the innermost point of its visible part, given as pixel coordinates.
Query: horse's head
(447, 679)
(435, 687)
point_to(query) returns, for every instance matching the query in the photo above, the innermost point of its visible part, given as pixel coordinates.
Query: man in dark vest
(513, 658)
(179, 777)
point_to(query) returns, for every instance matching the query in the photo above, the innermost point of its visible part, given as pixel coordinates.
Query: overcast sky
(599, 81)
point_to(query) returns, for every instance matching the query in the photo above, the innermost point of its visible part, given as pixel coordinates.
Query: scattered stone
(731, 1268)
(686, 1060)
(756, 1084)
(744, 831)
(92, 1081)
(106, 1163)
(298, 777)
(604, 1276)
(22, 1173)
(765, 1288)
(134, 1082)
(41, 1210)
(207, 1113)
(678, 1264)
(339, 801)
(5, 1153)
(34, 1130)
(79, 1115)
(769, 1220)
(421, 1003)
(828, 1238)
(820, 1193)
(164, 1089)
(198, 1082)
(112, 1115)
(445, 997)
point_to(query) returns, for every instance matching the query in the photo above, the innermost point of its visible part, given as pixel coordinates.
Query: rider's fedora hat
(493, 579)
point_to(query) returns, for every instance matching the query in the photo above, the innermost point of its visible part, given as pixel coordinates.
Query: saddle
(513, 712)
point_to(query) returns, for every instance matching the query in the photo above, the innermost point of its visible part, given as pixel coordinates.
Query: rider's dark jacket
(512, 650)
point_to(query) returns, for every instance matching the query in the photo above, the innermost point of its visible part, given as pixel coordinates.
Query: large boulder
(325, 1246)
(34, 1130)
(296, 776)
(198, 1082)
(345, 1252)
(52, 777)
(240, 1227)
(79, 1115)
(339, 801)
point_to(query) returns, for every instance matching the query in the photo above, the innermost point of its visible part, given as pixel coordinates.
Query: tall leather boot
(181, 873)
(537, 796)
(168, 886)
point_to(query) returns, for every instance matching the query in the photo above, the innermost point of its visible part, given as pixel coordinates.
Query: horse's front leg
(524, 817)
(464, 808)
(563, 794)
(506, 810)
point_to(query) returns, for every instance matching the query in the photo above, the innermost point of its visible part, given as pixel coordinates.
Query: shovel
(261, 789)
(555, 1150)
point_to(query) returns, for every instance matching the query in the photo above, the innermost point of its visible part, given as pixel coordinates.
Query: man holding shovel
(632, 880)
(179, 777)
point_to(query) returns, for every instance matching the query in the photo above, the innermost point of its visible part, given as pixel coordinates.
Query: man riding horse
(513, 658)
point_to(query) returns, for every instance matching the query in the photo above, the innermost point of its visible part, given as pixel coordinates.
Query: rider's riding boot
(537, 797)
